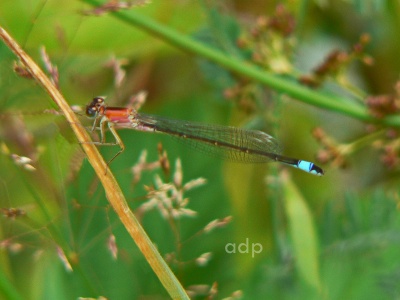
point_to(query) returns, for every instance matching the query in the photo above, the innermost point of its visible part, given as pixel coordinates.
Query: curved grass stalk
(111, 187)
(283, 85)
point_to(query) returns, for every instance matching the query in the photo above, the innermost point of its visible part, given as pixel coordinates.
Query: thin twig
(112, 190)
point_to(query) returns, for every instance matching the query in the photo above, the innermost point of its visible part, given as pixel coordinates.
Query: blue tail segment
(309, 167)
(303, 165)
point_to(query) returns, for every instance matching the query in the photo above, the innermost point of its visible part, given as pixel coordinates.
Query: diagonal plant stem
(112, 190)
(235, 64)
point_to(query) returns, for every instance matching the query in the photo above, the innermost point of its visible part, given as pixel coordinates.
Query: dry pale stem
(111, 187)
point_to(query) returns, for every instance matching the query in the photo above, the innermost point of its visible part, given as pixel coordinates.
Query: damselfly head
(94, 107)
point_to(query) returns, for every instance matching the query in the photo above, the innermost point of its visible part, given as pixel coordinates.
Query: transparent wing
(235, 144)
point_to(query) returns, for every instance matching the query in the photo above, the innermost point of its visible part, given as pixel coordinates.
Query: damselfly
(235, 144)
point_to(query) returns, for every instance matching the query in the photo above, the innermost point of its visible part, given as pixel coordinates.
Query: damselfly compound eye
(91, 111)
(93, 108)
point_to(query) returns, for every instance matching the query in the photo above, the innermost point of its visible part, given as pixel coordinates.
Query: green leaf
(303, 235)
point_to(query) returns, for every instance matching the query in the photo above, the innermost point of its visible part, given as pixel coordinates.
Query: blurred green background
(334, 237)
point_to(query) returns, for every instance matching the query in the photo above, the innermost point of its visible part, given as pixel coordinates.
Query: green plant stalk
(113, 191)
(305, 243)
(283, 85)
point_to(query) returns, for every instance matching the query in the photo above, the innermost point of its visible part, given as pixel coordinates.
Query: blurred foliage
(334, 237)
